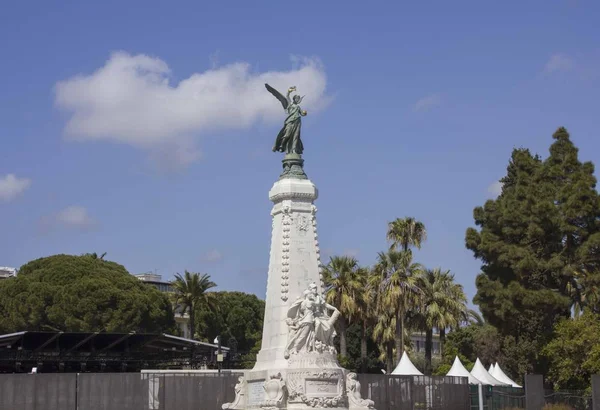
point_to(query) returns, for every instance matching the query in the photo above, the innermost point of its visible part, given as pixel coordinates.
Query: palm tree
(398, 291)
(342, 287)
(365, 312)
(191, 291)
(455, 310)
(584, 291)
(472, 317)
(444, 305)
(383, 333)
(406, 232)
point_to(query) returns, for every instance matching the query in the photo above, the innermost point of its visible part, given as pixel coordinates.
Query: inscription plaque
(321, 387)
(256, 392)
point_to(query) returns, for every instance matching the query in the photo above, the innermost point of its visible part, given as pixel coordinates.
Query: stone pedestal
(296, 367)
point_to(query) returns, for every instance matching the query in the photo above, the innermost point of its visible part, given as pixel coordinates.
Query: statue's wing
(278, 95)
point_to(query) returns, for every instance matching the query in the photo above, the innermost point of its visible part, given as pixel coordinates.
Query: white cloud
(11, 187)
(72, 217)
(428, 102)
(559, 62)
(495, 189)
(212, 256)
(131, 100)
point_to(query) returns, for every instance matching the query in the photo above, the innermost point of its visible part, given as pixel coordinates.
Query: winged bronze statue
(288, 140)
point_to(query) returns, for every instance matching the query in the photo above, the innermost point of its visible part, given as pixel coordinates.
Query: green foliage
(442, 369)
(472, 342)
(235, 316)
(406, 232)
(344, 283)
(352, 361)
(191, 293)
(574, 353)
(540, 231)
(81, 294)
(443, 305)
(395, 275)
(421, 362)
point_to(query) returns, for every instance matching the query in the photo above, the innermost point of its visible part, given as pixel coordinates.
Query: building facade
(7, 272)
(418, 343)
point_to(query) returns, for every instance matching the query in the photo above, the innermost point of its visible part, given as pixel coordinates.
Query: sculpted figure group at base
(310, 323)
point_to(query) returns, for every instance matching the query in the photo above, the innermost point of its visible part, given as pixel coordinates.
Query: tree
(540, 230)
(472, 342)
(81, 294)
(343, 286)
(406, 232)
(584, 291)
(191, 292)
(396, 275)
(384, 334)
(365, 313)
(472, 317)
(443, 305)
(238, 318)
(574, 352)
(355, 361)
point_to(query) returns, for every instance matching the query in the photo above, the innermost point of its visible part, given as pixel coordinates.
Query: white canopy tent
(491, 369)
(459, 370)
(480, 373)
(406, 368)
(498, 374)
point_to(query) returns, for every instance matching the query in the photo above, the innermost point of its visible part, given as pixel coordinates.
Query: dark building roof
(64, 351)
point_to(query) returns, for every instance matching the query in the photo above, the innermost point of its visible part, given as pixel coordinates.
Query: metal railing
(576, 399)
(203, 391)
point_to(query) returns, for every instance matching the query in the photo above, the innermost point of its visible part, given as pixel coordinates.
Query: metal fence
(203, 391)
(575, 399)
(504, 398)
(116, 391)
(419, 392)
(42, 391)
(498, 397)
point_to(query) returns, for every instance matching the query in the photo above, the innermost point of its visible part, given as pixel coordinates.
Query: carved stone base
(320, 383)
(239, 403)
(315, 380)
(311, 381)
(293, 167)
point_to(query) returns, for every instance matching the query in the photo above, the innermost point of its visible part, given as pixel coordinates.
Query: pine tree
(540, 231)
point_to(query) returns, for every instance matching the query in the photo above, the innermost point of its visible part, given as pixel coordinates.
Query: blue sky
(115, 138)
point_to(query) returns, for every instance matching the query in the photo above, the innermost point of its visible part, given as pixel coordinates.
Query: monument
(297, 365)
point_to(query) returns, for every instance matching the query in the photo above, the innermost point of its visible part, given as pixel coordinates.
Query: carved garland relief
(299, 381)
(317, 249)
(285, 250)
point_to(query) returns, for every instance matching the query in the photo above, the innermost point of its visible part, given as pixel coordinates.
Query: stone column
(307, 376)
(294, 263)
